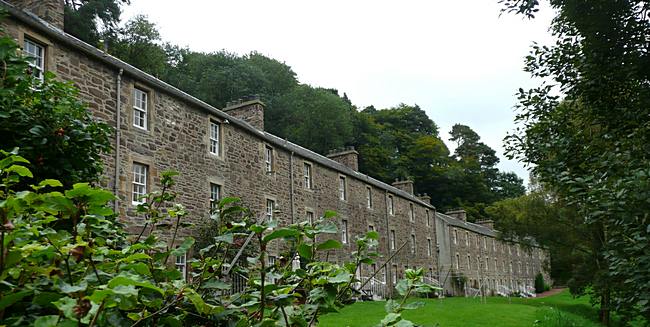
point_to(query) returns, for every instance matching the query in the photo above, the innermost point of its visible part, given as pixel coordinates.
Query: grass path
(555, 310)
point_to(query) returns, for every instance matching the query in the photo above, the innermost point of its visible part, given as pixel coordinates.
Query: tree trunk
(603, 314)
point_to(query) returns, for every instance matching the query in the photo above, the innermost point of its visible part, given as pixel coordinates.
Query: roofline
(71, 41)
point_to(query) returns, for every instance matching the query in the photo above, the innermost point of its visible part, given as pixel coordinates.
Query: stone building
(226, 152)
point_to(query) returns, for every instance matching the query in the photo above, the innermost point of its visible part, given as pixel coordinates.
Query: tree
(315, 118)
(590, 147)
(83, 17)
(139, 44)
(52, 128)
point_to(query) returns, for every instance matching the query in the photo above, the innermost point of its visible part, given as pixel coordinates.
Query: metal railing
(374, 288)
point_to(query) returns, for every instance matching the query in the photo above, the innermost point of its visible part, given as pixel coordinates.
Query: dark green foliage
(82, 18)
(591, 147)
(539, 283)
(45, 120)
(313, 117)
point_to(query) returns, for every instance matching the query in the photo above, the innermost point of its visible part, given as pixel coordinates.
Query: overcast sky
(460, 61)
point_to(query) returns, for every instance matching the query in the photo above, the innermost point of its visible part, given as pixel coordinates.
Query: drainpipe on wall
(389, 266)
(118, 124)
(291, 189)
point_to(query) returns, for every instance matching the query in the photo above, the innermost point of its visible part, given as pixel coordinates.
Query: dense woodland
(393, 143)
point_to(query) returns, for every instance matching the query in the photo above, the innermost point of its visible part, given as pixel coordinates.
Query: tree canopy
(590, 146)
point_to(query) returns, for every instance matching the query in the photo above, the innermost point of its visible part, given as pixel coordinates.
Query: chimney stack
(249, 109)
(425, 198)
(458, 214)
(405, 185)
(489, 223)
(347, 156)
(50, 11)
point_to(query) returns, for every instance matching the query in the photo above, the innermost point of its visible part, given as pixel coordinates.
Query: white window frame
(268, 159)
(139, 182)
(469, 262)
(391, 205)
(392, 239)
(455, 236)
(181, 265)
(307, 172)
(411, 212)
(140, 108)
(342, 188)
(344, 231)
(394, 274)
(369, 197)
(429, 247)
(215, 138)
(457, 261)
(215, 195)
(270, 208)
(310, 216)
(36, 53)
(428, 218)
(466, 238)
(484, 242)
(413, 244)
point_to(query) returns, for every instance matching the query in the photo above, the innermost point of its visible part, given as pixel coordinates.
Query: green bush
(539, 283)
(52, 127)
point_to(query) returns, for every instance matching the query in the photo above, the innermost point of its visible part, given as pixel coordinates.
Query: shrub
(539, 283)
(47, 121)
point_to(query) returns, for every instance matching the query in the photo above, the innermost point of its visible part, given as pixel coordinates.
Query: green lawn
(557, 310)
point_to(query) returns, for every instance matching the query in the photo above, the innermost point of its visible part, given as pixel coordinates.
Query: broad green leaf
(46, 321)
(413, 305)
(281, 233)
(184, 247)
(20, 170)
(329, 244)
(305, 251)
(216, 284)
(9, 299)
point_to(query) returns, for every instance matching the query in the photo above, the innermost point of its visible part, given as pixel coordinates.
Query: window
(487, 263)
(391, 207)
(310, 217)
(140, 173)
(411, 212)
(496, 265)
(36, 58)
(368, 197)
(394, 274)
(469, 262)
(392, 239)
(455, 236)
(517, 249)
(466, 238)
(476, 237)
(181, 265)
(371, 228)
(270, 207)
(307, 175)
(428, 218)
(429, 247)
(484, 243)
(215, 138)
(412, 243)
(268, 159)
(457, 261)
(140, 108)
(344, 231)
(342, 194)
(215, 195)
(494, 245)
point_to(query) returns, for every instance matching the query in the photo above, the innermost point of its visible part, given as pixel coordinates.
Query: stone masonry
(259, 167)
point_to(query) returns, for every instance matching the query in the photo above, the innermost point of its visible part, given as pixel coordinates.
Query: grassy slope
(452, 312)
